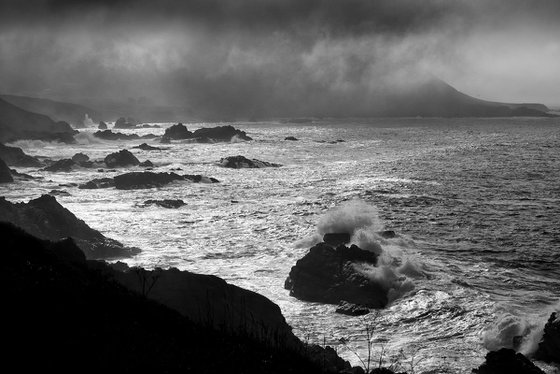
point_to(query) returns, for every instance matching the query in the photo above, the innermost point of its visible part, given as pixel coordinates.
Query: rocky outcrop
(122, 158)
(328, 275)
(146, 164)
(5, 173)
(45, 218)
(139, 180)
(64, 165)
(350, 309)
(221, 133)
(109, 135)
(102, 126)
(147, 147)
(57, 302)
(178, 131)
(166, 203)
(146, 179)
(15, 156)
(238, 162)
(80, 158)
(507, 361)
(549, 346)
(292, 138)
(125, 123)
(17, 123)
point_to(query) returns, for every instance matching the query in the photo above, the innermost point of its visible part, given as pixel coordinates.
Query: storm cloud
(272, 57)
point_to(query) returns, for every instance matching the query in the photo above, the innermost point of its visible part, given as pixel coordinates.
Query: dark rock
(109, 135)
(336, 239)
(98, 183)
(17, 123)
(167, 203)
(221, 133)
(327, 359)
(102, 126)
(59, 193)
(45, 218)
(178, 131)
(122, 158)
(64, 165)
(388, 234)
(148, 126)
(507, 361)
(291, 138)
(149, 136)
(147, 147)
(174, 327)
(146, 164)
(238, 162)
(549, 346)
(125, 123)
(351, 309)
(80, 158)
(139, 180)
(328, 275)
(5, 173)
(15, 156)
(19, 175)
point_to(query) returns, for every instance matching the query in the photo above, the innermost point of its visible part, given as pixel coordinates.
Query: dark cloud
(271, 56)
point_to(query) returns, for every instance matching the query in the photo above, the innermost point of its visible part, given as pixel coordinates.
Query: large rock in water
(221, 133)
(178, 131)
(109, 135)
(327, 275)
(138, 180)
(507, 361)
(549, 347)
(239, 162)
(5, 173)
(121, 158)
(45, 218)
(15, 156)
(17, 123)
(64, 165)
(125, 123)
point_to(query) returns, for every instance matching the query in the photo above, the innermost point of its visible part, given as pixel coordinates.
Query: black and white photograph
(280, 186)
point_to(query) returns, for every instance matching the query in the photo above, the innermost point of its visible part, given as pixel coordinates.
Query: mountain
(17, 123)
(58, 111)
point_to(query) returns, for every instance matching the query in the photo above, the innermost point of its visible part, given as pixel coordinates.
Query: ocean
(475, 204)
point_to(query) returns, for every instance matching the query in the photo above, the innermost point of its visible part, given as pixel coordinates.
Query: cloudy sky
(235, 53)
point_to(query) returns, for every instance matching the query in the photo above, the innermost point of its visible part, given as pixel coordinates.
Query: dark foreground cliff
(64, 313)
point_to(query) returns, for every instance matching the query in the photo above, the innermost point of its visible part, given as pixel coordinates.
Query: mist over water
(474, 203)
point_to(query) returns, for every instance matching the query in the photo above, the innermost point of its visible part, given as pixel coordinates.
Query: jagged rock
(80, 158)
(102, 126)
(147, 147)
(24, 176)
(221, 133)
(167, 203)
(238, 162)
(549, 346)
(125, 123)
(351, 309)
(291, 138)
(121, 158)
(178, 131)
(327, 275)
(45, 218)
(5, 173)
(336, 239)
(15, 156)
(59, 193)
(64, 165)
(98, 183)
(109, 135)
(146, 164)
(507, 361)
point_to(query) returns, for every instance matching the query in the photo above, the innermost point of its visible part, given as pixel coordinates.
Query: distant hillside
(17, 123)
(438, 99)
(58, 111)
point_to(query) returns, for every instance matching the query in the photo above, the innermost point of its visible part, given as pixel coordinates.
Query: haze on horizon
(265, 56)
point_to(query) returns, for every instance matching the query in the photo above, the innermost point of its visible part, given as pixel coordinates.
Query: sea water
(475, 203)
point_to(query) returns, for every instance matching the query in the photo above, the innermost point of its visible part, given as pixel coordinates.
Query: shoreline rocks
(166, 203)
(141, 180)
(239, 162)
(549, 346)
(507, 361)
(122, 158)
(146, 147)
(45, 218)
(14, 156)
(326, 274)
(204, 135)
(125, 123)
